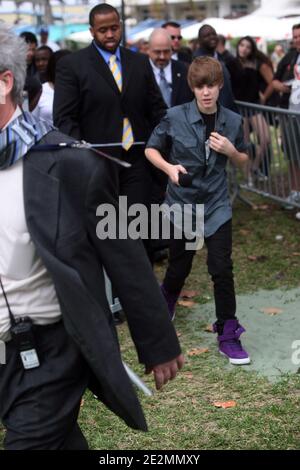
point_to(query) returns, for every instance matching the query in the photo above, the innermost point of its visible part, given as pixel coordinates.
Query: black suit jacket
(88, 104)
(285, 71)
(181, 92)
(61, 195)
(185, 57)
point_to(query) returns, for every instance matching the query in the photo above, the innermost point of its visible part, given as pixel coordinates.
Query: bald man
(170, 75)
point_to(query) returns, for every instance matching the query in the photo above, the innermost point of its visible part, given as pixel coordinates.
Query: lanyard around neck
(12, 318)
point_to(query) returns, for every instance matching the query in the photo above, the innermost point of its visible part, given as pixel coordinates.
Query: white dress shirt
(167, 70)
(44, 108)
(27, 283)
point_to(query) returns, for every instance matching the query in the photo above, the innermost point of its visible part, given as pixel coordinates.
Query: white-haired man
(54, 317)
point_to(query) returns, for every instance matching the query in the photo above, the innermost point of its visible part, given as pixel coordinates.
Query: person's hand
(173, 173)
(262, 98)
(166, 371)
(297, 72)
(281, 87)
(221, 144)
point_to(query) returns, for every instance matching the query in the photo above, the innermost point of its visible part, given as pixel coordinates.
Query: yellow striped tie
(127, 136)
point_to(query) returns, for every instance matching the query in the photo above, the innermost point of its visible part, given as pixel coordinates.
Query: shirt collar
(16, 114)
(195, 115)
(107, 55)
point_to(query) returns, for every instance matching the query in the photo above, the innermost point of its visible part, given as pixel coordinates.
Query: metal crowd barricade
(273, 136)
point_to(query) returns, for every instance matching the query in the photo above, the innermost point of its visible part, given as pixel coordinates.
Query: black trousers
(39, 407)
(219, 263)
(136, 184)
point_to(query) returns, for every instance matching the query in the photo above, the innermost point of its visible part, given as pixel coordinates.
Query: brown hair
(205, 71)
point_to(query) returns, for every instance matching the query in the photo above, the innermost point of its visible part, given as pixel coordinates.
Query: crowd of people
(168, 120)
(249, 76)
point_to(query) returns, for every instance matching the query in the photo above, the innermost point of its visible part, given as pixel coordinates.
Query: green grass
(254, 232)
(182, 415)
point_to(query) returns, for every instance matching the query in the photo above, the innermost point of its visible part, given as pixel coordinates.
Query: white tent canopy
(221, 25)
(280, 8)
(144, 34)
(267, 28)
(82, 37)
(85, 37)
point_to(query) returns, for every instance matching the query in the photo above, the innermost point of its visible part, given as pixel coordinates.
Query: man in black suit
(107, 94)
(208, 41)
(52, 288)
(170, 75)
(178, 53)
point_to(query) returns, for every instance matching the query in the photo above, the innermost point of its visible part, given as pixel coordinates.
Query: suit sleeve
(130, 272)
(282, 68)
(66, 98)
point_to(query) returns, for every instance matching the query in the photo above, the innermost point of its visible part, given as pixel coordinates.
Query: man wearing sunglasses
(174, 31)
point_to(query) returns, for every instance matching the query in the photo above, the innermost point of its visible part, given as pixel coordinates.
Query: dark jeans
(219, 263)
(39, 407)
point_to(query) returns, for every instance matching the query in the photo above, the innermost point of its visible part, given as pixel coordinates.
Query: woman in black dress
(252, 73)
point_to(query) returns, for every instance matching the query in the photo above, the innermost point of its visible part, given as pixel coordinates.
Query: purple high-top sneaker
(229, 343)
(171, 300)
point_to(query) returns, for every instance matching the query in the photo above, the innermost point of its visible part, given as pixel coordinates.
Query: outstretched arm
(131, 274)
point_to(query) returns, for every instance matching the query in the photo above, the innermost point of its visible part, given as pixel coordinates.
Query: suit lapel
(176, 76)
(126, 61)
(41, 197)
(99, 65)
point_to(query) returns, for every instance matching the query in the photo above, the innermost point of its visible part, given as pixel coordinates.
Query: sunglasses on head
(176, 37)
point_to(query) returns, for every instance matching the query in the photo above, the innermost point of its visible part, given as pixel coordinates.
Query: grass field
(183, 416)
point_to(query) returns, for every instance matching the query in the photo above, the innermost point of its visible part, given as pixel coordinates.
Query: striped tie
(127, 136)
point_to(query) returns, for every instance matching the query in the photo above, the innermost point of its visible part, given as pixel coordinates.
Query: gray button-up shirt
(180, 137)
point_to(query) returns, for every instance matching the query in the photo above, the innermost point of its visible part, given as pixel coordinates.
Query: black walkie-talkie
(23, 336)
